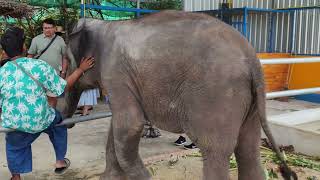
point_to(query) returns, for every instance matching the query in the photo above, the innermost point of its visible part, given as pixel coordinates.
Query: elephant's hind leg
(127, 124)
(215, 166)
(247, 151)
(216, 147)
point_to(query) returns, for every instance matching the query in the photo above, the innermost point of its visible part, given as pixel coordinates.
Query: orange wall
(293, 76)
(305, 75)
(276, 76)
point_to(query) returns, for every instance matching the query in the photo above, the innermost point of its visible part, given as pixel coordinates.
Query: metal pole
(73, 120)
(271, 42)
(245, 16)
(278, 94)
(83, 9)
(290, 60)
(293, 31)
(138, 4)
(90, 117)
(138, 7)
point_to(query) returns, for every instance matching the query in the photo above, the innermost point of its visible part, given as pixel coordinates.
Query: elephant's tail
(259, 98)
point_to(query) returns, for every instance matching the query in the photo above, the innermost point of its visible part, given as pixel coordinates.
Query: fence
(138, 11)
(268, 95)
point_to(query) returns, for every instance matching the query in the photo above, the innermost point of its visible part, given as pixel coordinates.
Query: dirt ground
(87, 151)
(186, 168)
(190, 168)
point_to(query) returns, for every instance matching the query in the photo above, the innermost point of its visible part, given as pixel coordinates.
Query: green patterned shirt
(24, 103)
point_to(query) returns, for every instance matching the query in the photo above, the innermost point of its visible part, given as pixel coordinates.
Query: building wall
(200, 5)
(306, 27)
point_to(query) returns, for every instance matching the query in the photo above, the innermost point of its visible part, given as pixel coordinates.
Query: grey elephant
(183, 72)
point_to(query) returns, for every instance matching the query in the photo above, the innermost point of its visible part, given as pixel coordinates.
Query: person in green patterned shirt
(24, 106)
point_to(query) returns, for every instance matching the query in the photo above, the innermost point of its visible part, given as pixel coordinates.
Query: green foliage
(296, 160)
(303, 162)
(312, 178)
(163, 4)
(66, 12)
(153, 170)
(55, 3)
(268, 155)
(33, 25)
(233, 162)
(270, 174)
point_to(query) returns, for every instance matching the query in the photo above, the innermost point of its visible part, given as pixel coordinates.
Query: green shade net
(53, 9)
(101, 14)
(108, 14)
(54, 3)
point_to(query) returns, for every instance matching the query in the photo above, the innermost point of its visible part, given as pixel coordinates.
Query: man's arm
(65, 61)
(65, 64)
(33, 49)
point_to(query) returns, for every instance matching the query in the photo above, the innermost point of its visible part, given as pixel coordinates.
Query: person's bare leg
(52, 101)
(60, 164)
(15, 177)
(85, 110)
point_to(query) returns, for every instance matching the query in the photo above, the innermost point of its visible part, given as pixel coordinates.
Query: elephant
(185, 73)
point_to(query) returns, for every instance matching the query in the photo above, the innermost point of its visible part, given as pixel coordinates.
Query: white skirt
(89, 97)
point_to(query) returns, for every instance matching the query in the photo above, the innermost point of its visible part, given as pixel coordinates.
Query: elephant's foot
(141, 174)
(108, 176)
(102, 177)
(113, 174)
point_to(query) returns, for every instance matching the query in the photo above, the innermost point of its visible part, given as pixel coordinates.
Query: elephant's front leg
(113, 170)
(127, 123)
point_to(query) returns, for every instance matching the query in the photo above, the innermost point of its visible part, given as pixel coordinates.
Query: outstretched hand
(86, 63)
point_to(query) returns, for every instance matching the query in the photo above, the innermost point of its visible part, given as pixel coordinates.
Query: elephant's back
(183, 35)
(173, 45)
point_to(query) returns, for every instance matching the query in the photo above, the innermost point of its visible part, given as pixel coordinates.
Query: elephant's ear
(77, 41)
(80, 26)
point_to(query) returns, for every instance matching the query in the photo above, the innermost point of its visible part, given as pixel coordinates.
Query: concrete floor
(87, 144)
(301, 129)
(312, 126)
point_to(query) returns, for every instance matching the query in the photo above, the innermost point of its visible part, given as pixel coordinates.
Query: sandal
(61, 170)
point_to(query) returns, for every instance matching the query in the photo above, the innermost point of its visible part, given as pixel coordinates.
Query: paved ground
(87, 146)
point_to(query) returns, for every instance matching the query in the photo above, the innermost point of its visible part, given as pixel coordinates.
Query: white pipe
(289, 60)
(83, 2)
(138, 4)
(278, 94)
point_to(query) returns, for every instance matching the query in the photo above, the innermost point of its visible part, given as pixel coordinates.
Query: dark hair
(12, 41)
(49, 21)
(3, 62)
(59, 33)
